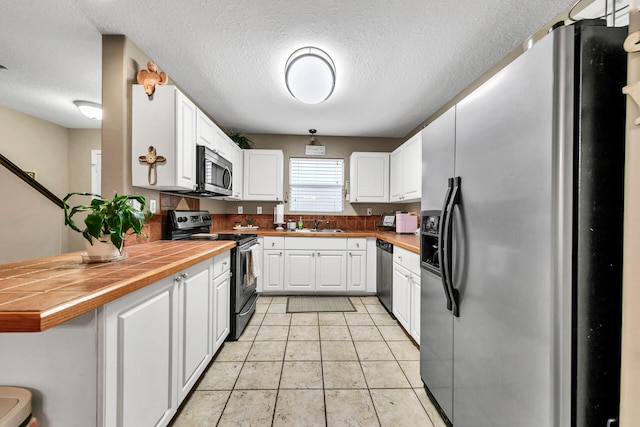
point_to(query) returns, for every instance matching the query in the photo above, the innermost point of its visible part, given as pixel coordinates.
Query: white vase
(102, 249)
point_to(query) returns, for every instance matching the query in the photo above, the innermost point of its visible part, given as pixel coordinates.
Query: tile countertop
(41, 293)
(410, 242)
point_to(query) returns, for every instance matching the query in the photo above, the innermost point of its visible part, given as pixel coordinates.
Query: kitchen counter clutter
(410, 242)
(39, 294)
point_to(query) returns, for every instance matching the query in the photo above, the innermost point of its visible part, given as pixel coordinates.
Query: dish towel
(253, 264)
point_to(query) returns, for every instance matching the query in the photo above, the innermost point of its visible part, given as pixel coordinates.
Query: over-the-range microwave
(213, 173)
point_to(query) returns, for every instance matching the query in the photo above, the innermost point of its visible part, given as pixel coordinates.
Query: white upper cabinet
(205, 131)
(406, 171)
(263, 175)
(396, 161)
(237, 159)
(368, 177)
(163, 128)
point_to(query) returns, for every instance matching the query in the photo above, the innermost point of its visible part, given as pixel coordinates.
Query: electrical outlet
(240, 210)
(152, 206)
(259, 210)
(369, 211)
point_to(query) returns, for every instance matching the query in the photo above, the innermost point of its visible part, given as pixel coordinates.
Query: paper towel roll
(278, 214)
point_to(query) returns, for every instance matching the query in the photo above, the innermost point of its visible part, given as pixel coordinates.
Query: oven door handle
(244, 251)
(250, 309)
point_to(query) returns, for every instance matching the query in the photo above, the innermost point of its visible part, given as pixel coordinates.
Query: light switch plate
(152, 206)
(369, 211)
(259, 210)
(240, 210)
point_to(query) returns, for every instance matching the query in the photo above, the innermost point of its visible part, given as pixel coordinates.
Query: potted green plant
(107, 222)
(241, 140)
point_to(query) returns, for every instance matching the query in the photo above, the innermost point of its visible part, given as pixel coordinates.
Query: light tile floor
(313, 369)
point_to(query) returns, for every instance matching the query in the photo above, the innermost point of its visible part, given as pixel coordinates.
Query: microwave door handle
(228, 172)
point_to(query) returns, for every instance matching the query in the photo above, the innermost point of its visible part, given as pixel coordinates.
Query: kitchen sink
(320, 230)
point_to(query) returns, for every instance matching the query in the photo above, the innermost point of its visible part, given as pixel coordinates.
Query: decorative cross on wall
(152, 159)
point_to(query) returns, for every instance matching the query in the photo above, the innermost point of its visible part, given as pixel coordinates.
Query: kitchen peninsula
(38, 294)
(86, 337)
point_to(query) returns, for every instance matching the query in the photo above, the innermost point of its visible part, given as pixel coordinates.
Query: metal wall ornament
(150, 78)
(152, 159)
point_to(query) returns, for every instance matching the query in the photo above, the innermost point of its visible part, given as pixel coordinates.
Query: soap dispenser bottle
(300, 224)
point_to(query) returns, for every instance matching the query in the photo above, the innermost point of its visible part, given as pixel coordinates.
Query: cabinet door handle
(280, 254)
(185, 276)
(273, 244)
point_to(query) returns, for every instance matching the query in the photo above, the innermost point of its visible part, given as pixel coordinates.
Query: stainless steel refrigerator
(521, 278)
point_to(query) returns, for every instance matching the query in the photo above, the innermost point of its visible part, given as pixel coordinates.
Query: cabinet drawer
(316, 243)
(273, 242)
(407, 259)
(357, 243)
(221, 263)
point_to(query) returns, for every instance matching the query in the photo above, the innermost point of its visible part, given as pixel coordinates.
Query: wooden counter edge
(38, 321)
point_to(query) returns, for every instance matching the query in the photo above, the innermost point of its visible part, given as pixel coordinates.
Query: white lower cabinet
(320, 271)
(317, 265)
(299, 270)
(406, 290)
(402, 295)
(221, 301)
(357, 271)
(155, 343)
(331, 271)
(139, 369)
(415, 309)
(273, 270)
(194, 325)
(357, 264)
(221, 309)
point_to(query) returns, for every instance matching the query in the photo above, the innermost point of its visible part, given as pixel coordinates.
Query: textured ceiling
(397, 61)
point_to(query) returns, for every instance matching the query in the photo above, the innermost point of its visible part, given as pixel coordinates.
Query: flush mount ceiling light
(310, 75)
(89, 109)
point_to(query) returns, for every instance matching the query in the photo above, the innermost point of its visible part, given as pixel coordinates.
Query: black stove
(183, 225)
(196, 225)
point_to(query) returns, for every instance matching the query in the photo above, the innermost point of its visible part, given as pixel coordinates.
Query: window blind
(315, 185)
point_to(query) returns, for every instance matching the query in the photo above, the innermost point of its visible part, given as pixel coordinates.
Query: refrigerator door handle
(454, 200)
(441, 240)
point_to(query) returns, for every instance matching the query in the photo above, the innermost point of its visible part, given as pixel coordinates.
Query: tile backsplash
(265, 221)
(155, 226)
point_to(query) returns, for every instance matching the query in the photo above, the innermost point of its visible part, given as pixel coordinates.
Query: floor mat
(304, 304)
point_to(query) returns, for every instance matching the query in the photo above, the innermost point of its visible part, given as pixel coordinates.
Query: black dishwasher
(384, 273)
